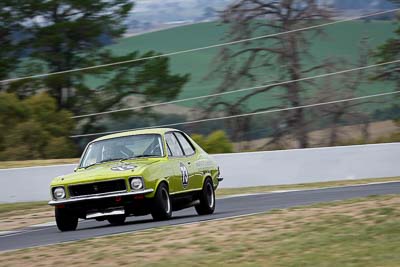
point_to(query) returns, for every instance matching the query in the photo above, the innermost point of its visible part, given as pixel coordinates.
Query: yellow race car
(142, 172)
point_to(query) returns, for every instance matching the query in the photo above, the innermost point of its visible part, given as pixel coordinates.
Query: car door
(180, 177)
(190, 160)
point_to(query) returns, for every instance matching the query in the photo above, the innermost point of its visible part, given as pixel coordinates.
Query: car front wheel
(207, 199)
(161, 208)
(65, 219)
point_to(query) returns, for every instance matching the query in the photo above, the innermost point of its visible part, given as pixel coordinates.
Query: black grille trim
(112, 186)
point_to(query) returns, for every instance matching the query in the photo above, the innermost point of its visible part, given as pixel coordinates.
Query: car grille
(97, 188)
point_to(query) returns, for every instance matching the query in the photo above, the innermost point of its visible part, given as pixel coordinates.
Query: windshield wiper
(142, 156)
(145, 156)
(108, 160)
(103, 161)
(91, 165)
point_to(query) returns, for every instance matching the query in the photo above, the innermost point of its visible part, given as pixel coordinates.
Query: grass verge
(21, 207)
(21, 215)
(362, 232)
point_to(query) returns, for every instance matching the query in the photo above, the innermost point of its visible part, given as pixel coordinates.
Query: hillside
(150, 15)
(342, 40)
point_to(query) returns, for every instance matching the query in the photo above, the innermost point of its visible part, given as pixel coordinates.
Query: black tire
(116, 220)
(65, 219)
(161, 208)
(207, 199)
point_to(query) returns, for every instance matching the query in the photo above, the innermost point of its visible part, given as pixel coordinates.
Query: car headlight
(136, 183)
(59, 193)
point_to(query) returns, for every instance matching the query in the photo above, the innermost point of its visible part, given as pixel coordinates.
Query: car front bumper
(98, 197)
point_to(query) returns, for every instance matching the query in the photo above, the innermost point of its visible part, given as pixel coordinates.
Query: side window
(187, 147)
(173, 145)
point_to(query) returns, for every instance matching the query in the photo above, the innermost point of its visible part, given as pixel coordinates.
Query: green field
(341, 40)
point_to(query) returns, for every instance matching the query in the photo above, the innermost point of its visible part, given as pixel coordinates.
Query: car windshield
(121, 148)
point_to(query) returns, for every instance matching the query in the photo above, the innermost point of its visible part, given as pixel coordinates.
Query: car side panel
(175, 181)
(201, 166)
(196, 174)
(156, 173)
(187, 174)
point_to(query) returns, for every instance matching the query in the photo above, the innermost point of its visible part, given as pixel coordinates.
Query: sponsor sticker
(125, 167)
(185, 175)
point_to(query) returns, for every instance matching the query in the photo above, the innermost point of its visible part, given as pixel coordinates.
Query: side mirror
(76, 168)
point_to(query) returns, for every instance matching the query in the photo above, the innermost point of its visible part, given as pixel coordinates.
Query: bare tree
(343, 87)
(283, 55)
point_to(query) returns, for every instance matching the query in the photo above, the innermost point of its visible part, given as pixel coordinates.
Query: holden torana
(136, 173)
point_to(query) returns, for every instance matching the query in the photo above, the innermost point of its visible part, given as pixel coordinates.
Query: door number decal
(185, 175)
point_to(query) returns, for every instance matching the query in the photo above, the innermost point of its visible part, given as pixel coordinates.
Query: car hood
(105, 171)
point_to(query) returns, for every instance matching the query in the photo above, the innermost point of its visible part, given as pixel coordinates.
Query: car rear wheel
(207, 199)
(65, 219)
(161, 208)
(116, 220)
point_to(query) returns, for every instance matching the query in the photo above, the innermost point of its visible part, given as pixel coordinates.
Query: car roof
(136, 132)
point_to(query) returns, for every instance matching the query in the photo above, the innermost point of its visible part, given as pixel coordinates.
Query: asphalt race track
(225, 208)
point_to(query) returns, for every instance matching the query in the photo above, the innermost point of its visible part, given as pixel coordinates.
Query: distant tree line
(41, 36)
(34, 128)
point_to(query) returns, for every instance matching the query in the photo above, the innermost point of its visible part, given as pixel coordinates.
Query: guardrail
(242, 169)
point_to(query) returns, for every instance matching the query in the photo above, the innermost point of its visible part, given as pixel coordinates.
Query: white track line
(7, 232)
(309, 189)
(43, 225)
(23, 232)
